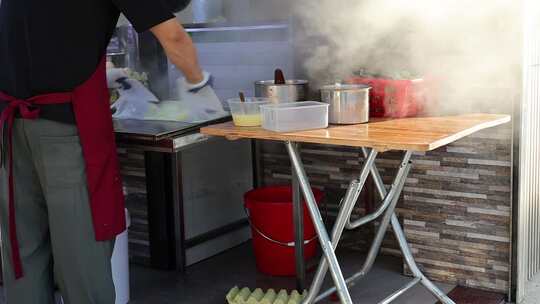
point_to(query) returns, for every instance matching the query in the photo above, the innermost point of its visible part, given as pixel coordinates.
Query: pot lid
(287, 82)
(345, 87)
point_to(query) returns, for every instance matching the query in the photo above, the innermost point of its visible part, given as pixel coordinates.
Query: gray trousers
(54, 222)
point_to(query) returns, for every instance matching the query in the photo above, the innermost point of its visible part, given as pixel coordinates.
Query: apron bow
(15, 106)
(27, 109)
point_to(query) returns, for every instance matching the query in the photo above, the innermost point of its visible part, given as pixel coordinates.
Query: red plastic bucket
(271, 213)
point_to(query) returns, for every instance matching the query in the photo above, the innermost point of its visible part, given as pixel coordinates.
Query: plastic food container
(297, 116)
(248, 113)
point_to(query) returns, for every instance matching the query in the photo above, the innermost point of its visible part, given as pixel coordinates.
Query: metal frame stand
(390, 198)
(298, 216)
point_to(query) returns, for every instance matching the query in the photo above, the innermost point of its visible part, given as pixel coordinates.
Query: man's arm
(179, 48)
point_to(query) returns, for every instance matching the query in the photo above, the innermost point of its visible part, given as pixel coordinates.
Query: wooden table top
(413, 134)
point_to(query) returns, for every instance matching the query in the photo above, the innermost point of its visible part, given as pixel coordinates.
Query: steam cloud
(469, 49)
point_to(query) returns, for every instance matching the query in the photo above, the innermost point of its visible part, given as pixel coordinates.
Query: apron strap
(27, 109)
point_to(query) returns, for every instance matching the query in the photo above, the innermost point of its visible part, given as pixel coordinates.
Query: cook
(61, 199)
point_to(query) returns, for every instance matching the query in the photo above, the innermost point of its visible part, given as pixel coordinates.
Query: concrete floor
(533, 291)
(209, 281)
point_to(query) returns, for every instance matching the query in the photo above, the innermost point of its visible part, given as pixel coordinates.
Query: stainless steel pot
(291, 91)
(349, 104)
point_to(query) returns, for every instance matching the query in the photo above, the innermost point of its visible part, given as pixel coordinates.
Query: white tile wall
(235, 66)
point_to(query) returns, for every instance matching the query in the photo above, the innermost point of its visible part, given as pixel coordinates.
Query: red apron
(94, 121)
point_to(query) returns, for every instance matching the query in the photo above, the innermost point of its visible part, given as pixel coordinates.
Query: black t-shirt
(55, 45)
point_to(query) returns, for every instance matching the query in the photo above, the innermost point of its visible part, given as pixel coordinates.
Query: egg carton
(258, 296)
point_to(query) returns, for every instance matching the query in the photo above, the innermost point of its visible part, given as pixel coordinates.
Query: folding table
(408, 135)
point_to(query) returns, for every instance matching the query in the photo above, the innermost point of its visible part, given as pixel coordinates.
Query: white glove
(201, 99)
(113, 75)
(194, 87)
(135, 99)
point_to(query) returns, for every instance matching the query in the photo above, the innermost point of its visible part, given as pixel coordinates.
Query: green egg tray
(258, 296)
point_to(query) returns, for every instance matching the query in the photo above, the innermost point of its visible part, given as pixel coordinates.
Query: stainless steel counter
(183, 227)
(161, 136)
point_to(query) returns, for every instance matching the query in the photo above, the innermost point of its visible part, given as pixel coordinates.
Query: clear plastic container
(297, 116)
(248, 113)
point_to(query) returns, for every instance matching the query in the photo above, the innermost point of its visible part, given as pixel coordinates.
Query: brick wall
(134, 178)
(457, 211)
(455, 206)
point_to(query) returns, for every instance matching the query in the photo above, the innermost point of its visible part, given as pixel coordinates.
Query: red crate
(394, 98)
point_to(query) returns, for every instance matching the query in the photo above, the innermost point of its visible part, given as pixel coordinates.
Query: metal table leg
(298, 217)
(324, 239)
(390, 199)
(353, 192)
(404, 246)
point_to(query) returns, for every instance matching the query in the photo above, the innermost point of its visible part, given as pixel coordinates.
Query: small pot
(349, 104)
(291, 91)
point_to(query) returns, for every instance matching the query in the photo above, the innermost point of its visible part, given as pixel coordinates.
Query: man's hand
(196, 87)
(180, 49)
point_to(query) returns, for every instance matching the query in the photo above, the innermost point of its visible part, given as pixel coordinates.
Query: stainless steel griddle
(161, 136)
